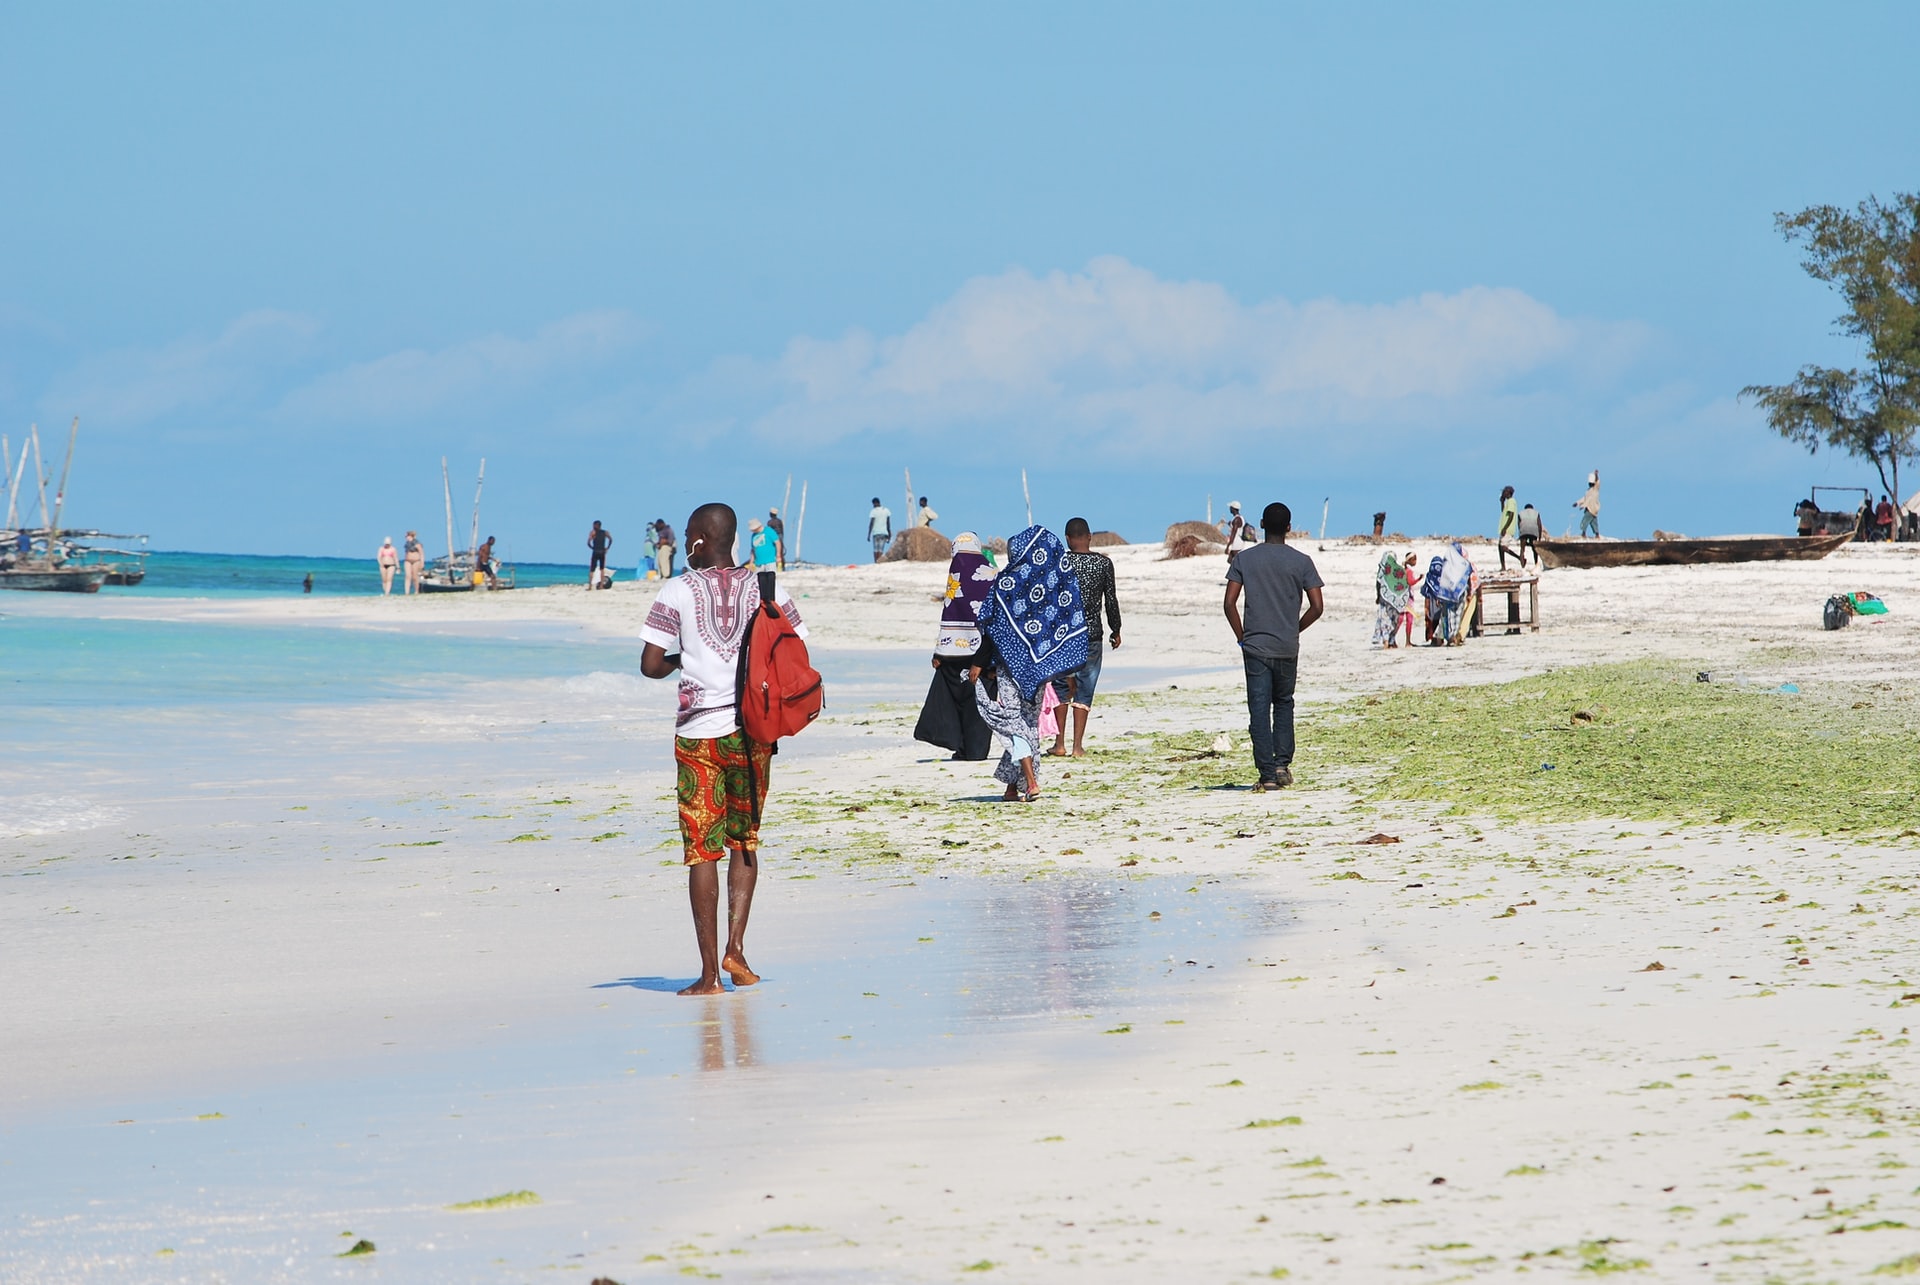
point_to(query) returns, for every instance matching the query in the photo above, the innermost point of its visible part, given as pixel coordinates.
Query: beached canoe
(48, 579)
(1680, 553)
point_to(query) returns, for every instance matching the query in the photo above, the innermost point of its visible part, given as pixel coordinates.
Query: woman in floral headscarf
(950, 718)
(1035, 628)
(1391, 594)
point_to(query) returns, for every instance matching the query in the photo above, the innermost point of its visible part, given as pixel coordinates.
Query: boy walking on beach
(1094, 572)
(1275, 578)
(879, 528)
(697, 626)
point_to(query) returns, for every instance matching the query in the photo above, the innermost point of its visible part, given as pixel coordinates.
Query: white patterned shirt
(703, 616)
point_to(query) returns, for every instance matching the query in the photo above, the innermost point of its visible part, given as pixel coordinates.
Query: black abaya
(950, 719)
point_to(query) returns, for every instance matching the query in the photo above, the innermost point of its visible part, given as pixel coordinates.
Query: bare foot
(705, 986)
(1079, 751)
(1011, 796)
(735, 965)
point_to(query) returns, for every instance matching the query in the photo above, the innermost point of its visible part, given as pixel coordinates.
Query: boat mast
(474, 544)
(6, 458)
(40, 479)
(447, 490)
(13, 487)
(66, 471)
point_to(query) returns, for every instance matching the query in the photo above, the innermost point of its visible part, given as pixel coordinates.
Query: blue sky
(280, 259)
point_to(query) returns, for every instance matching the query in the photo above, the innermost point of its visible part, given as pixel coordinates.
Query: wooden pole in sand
(1324, 506)
(909, 517)
(800, 527)
(66, 471)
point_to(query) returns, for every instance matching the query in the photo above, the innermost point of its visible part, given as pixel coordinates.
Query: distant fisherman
(1589, 506)
(779, 530)
(599, 540)
(1509, 527)
(697, 626)
(483, 563)
(879, 528)
(663, 548)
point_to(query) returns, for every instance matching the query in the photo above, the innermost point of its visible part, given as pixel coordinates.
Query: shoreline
(1473, 1001)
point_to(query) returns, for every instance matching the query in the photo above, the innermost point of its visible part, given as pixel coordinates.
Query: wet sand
(1118, 1035)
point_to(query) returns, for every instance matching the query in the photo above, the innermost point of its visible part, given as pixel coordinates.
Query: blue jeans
(1270, 682)
(1589, 524)
(1086, 678)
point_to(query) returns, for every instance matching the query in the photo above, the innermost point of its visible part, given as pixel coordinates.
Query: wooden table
(1509, 583)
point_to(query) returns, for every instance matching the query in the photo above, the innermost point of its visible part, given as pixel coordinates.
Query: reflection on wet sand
(1075, 945)
(725, 1016)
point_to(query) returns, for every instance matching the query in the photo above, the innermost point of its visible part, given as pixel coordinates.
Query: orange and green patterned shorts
(719, 797)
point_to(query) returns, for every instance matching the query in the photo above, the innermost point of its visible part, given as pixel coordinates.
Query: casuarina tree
(1870, 255)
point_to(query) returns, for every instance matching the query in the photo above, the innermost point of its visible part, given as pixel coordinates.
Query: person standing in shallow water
(696, 627)
(1274, 578)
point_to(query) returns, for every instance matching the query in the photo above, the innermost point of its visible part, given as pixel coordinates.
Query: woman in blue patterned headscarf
(1035, 629)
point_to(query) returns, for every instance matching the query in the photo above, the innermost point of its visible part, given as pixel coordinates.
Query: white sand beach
(277, 993)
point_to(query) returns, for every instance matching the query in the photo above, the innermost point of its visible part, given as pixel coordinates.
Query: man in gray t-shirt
(1274, 578)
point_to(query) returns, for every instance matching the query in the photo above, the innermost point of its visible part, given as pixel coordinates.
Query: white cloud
(1117, 351)
(414, 381)
(134, 386)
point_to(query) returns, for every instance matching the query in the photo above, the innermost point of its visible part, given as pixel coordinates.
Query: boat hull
(1683, 553)
(55, 579)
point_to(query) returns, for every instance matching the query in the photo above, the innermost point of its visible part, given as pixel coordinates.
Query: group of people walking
(1018, 644)
(413, 558)
(1019, 650)
(1448, 592)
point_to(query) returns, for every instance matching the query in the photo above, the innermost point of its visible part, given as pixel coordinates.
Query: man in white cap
(1239, 530)
(1589, 506)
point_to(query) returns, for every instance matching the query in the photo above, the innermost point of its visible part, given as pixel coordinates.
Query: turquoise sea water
(72, 663)
(219, 575)
(95, 706)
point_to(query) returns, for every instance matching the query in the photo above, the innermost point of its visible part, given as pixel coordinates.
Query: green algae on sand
(506, 1200)
(1654, 745)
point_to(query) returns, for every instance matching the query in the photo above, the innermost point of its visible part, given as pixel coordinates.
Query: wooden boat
(41, 575)
(52, 558)
(1685, 552)
(455, 572)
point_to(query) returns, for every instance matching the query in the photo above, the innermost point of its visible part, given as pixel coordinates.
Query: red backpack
(780, 691)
